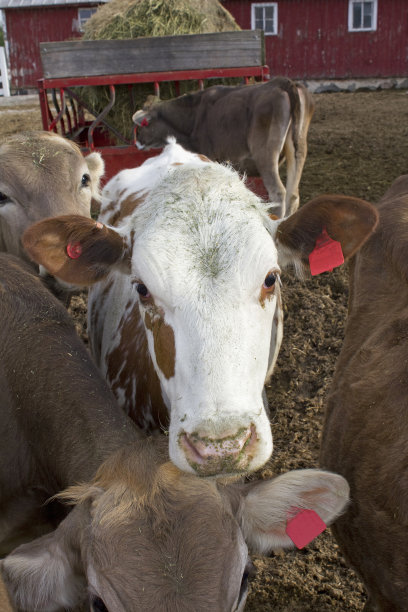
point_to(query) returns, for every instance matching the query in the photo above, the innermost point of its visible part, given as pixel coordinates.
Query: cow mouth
(228, 455)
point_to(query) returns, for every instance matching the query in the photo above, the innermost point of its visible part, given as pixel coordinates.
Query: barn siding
(26, 28)
(313, 41)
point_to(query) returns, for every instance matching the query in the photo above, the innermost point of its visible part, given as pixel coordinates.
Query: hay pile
(124, 19)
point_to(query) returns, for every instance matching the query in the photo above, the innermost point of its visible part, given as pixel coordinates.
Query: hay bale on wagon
(125, 19)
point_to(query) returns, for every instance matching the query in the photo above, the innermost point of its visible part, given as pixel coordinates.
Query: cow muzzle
(231, 454)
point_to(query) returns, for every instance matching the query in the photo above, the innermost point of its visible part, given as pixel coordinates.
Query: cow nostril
(201, 449)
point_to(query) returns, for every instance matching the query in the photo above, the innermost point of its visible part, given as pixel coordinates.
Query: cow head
(149, 537)
(43, 175)
(202, 258)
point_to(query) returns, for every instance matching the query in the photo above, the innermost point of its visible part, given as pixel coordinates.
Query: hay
(134, 18)
(125, 19)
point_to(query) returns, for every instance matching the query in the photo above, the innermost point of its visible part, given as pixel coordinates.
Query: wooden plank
(165, 53)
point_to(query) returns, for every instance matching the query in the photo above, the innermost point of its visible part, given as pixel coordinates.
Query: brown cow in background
(365, 435)
(251, 126)
(43, 175)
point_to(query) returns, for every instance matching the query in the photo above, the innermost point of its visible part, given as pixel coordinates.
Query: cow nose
(228, 454)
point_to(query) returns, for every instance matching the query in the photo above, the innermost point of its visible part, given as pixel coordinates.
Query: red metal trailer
(112, 63)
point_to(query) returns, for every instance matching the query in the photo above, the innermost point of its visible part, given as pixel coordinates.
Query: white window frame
(274, 5)
(81, 20)
(373, 27)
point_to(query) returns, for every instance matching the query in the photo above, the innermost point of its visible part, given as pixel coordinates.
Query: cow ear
(266, 507)
(349, 221)
(76, 249)
(46, 574)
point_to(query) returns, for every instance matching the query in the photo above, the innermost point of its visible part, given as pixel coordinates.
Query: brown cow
(43, 175)
(365, 435)
(252, 127)
(143, 535)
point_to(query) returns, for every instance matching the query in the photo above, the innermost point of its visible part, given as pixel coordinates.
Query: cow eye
(98, 605)
(142, 290)
(85, 180)
(270, 280)
(3, 197)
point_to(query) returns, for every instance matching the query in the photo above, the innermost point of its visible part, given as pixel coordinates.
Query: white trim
(4, 81)
(373, 27)
(273, 5)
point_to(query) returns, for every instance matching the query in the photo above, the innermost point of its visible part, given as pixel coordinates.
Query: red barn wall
(313, 41)
(26, 28)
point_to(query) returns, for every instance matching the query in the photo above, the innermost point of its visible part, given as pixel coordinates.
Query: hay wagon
(195, 60)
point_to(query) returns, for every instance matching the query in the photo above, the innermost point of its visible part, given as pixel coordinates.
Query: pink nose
(210, 456)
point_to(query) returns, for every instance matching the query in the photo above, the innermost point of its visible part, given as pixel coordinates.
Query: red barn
(330, 39)
(304, 39)
(29, 22)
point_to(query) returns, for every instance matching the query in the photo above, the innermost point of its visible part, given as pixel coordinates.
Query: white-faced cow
(186, 320)
(252, 127)
(43, 175)
(142, 535)
(365, 435)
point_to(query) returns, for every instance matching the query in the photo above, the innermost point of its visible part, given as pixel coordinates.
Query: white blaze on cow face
(200, 263)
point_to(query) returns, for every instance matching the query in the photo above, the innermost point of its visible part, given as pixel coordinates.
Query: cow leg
(266, 141)
(295, 149)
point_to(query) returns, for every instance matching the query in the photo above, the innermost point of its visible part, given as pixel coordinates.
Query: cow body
(142, 535)
(365, 435)
(185, 320)
(43, 175)
(252, 127)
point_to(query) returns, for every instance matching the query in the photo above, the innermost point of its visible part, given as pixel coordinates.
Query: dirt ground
(358, 144)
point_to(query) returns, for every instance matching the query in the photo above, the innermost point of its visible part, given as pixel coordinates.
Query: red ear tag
(144, 122)
(326, 255)
(304, 527)
(74, 250)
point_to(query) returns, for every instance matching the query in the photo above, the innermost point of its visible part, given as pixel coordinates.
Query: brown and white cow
(365, 435)
(251, 126)
(43, 175)
(186, 320)
(142, 535)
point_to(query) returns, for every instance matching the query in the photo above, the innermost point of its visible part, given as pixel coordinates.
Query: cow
(185, 318)
(365, 434)
(141, 535)
(251, 126)
(43, 175)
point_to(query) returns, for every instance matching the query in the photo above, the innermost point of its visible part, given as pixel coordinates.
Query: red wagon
(110, 63)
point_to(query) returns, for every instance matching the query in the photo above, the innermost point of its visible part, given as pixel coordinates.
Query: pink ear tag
(304, 527)
(144, 122)
(326, 255)
(74, 250)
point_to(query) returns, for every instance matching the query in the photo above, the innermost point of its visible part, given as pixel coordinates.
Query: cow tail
(295, 107)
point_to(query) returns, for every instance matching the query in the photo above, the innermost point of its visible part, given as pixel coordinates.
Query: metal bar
(82, 106)
(60, 114)
(176, 75)
(101, 116)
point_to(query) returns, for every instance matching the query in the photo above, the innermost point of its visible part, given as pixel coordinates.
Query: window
(83, 15)
(362, 15)
(265, 17)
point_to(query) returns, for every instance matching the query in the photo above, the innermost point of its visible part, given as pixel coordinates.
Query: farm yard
(358, 144)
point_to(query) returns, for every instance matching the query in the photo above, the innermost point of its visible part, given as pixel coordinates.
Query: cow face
(43, 175)
(152, 132)
(196, 262)
(171, 542)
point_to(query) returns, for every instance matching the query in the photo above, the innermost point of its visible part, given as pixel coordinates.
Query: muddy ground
(358, 144)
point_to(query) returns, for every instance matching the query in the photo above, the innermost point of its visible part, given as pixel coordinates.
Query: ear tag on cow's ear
(74, 250)
(304, 527)
(326, 255)
(144, 122)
